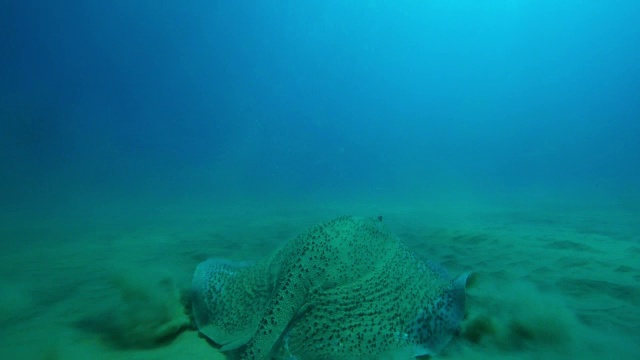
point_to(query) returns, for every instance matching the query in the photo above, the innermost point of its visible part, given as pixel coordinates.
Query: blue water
(219, 101)
(139, 137)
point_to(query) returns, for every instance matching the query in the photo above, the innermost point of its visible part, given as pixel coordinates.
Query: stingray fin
(432, 330)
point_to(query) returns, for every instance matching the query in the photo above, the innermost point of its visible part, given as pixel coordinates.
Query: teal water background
(159, 104)
(138, 138)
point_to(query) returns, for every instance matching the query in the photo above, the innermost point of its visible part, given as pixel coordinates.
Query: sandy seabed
(550, 282)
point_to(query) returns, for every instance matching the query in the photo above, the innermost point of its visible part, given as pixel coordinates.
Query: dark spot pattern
(345, 289)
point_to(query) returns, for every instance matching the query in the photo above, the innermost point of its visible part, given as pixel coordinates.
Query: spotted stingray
(344, 289)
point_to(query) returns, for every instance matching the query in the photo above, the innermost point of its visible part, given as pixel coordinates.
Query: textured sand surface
(551, 282)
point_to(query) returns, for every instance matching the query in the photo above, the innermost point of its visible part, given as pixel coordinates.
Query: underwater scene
(319, 180)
